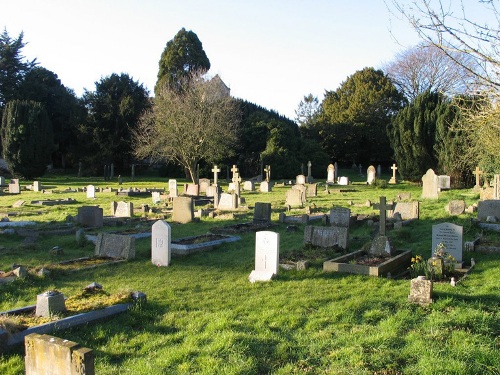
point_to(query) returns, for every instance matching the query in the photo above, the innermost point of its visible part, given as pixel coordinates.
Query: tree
(354, 118)
(182, 56)
(427, 68)
(413, 134)
(114, 110)
(199, 122)
(307, 111)
(26, 138)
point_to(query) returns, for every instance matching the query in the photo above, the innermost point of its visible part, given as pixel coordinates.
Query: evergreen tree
(26, 138)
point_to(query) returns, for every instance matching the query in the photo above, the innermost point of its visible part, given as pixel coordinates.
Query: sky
(269, 52)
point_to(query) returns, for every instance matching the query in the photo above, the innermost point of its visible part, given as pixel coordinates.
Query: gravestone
(267, 169)
(312, 190)
(407, 210)
(379, 170)
(294, 198)
(381, 245)
(490, 207)
(46, 355)
(231, 187)
(90, 216)
(155, 197)
(37, 186)
(371, 174)
(326, 236)
(14, 187)
(450, 235)
(335, 171)
(2, 181)
(226, 202)
(330, 174)
(496, 186)
(262, 213)
(212, 191)
(248, 186)
(455, 207)
(444, 183)
(193, 190)
(216, 171)
(122, 209)
(478, 172)
(172, 188)
(266, 187)
(344, 181)
(420, 291)
(267, 249)
(204, 183)
(160, 244)
(300, 179)
(183, 210)
(393, 179)
(340, 217)
(430, 188)
(91, 191)
(49, 303)
(115, 246)
(310, 178)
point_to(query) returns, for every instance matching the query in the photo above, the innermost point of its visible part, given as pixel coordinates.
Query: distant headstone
(262, 213)
(266, 187)
(456, 207)
(430, 188)
(310, 178)
(393, 179)
(267, 169)
(371, 174)
(420, 291)
(478, 172)
(490, 207)
(204, 184)
(383, 207)
(14, 187)
(160, 243)
(183, 210)
(403, 196)
(248, 186)
(451, 236)
(330, 174)
(115, 246)
(379, 170)
(122, 209)
(90, 216)
(407, 210)
(91, 191)
(340, 217)
(267, 249)
(312, 190)
(294, 198)
(227, 202)
(2, 181)
(155, 196)
(193, 190)
(212, 190)
(37, 186)
(444, 183)
(496, 186)
(300, 179)
(216, 171)
(231, 187)
(326, 236)
(344, 181)
(172, 188)
(335, 171)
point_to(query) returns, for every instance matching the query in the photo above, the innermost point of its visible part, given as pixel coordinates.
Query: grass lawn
(203, 316)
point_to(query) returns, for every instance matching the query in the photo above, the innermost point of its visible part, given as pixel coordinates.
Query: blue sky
(270, 52)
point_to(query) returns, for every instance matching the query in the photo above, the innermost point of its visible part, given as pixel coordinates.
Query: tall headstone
(2, 181)
(172, 188)
(227, 202)
(312, 190)
(496, 186)
(160, 244)
(393, 179)
(451, 236)
(430, 185)
(371, 174)
(310, 178)
(112, 171)
(37, 186)
(132, 172)
(383, 207)
(183, 210)
(444, 183)
(294, 198)
(216, 171)
(14, 187)
(379, 170)
(155, 197)
(204, 183)
(91, 191)
(335, 171)
(478, 172)
(267, 169)
(267, 249)
(330, 174)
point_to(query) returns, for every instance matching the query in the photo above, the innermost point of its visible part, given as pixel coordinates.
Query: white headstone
(450, 235)
(300, 179)
(444, 182)
(160, 244)
(37, 186)
(90, 191)
(371, 174)
(343, 180)
(267, 250)
(330, 174)
(155, 196)
(172, 188)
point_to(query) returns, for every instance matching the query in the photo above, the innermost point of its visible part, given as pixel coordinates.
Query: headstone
(160, 244)
(451, 236)
(407, 210)
(420, 291)
(49, 303)
(430, 185)
(335, 171)
(294, 198)
(300, 179)
(383, 207)
(46, 354)
(266, 187)
(248, 186)
(91, 191)
(90, 216)
(326, 236)
(216, 171)
(122, 209)
(310, 178)
(183, 210)
(478, 172)
(379, 170)
(381, 246)
(393, 179)
(444, 183)
(330, 174)
(115, 246)
(267, 169)
(132, 172)
(193, 190)
(231, 187)
(456, 207)
(155, 196)
(14, 187)
(204, 184)
(312, 190)
(212, 190)
(226, 202)
(403, 196)
(37, 186)
(496, 186)
(172, 188)
(371, 174)
(344, 181)
(488, 208)
(2, 181)
(262, 213)
(267, 249)
(112, 171)
(340, 217)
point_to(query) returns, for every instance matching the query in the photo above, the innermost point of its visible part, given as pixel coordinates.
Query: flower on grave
(440, 251)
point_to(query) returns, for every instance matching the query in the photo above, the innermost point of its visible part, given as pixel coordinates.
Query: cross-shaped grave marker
(216, 174)
(478, 172)
(383, 207)
(393, 178)
(267, 169)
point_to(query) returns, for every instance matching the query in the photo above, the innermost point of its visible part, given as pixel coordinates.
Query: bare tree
(199, 122)
(427, 68)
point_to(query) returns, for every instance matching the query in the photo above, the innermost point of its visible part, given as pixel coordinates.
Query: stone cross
(216, 174)
(236, 181)
(383, 207)
(393, 178)
(267, 169)
(309, 165)
(478, 172)
(234, 169)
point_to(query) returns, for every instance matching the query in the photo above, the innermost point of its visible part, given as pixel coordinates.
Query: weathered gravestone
(312, 190)
(262, 213)
(420, 291)
(478, 172)
(115, 246)
(172, 188)
(90, 216)
(14, 187)
(183, 210)
(193, 190)
(393, 179)
(326, 236)
(379, 170)
(122, 209)
(310, 178)
(430, 188)
(444, 183)
(407, 210)
(37, 186)
(371, 174)
(266, 187)
(213, 190)
(340, 217)
(300, 179)
(267, 250)
(204, 184)
(49, 355)
(294, 198)
(155, 197)
(451, 236)
(248, 186)
(487, 208)
(160, 244)
(344, 181)
(227, 202)
(91, 191)
(330, 174)
(381, 245)
(49, 304)
(455, 207)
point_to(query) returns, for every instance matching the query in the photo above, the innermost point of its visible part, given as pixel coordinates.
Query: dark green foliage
(26, 138)
(353, 121)
(183, 55)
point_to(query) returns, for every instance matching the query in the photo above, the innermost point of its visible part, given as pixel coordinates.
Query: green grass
(203, 316)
